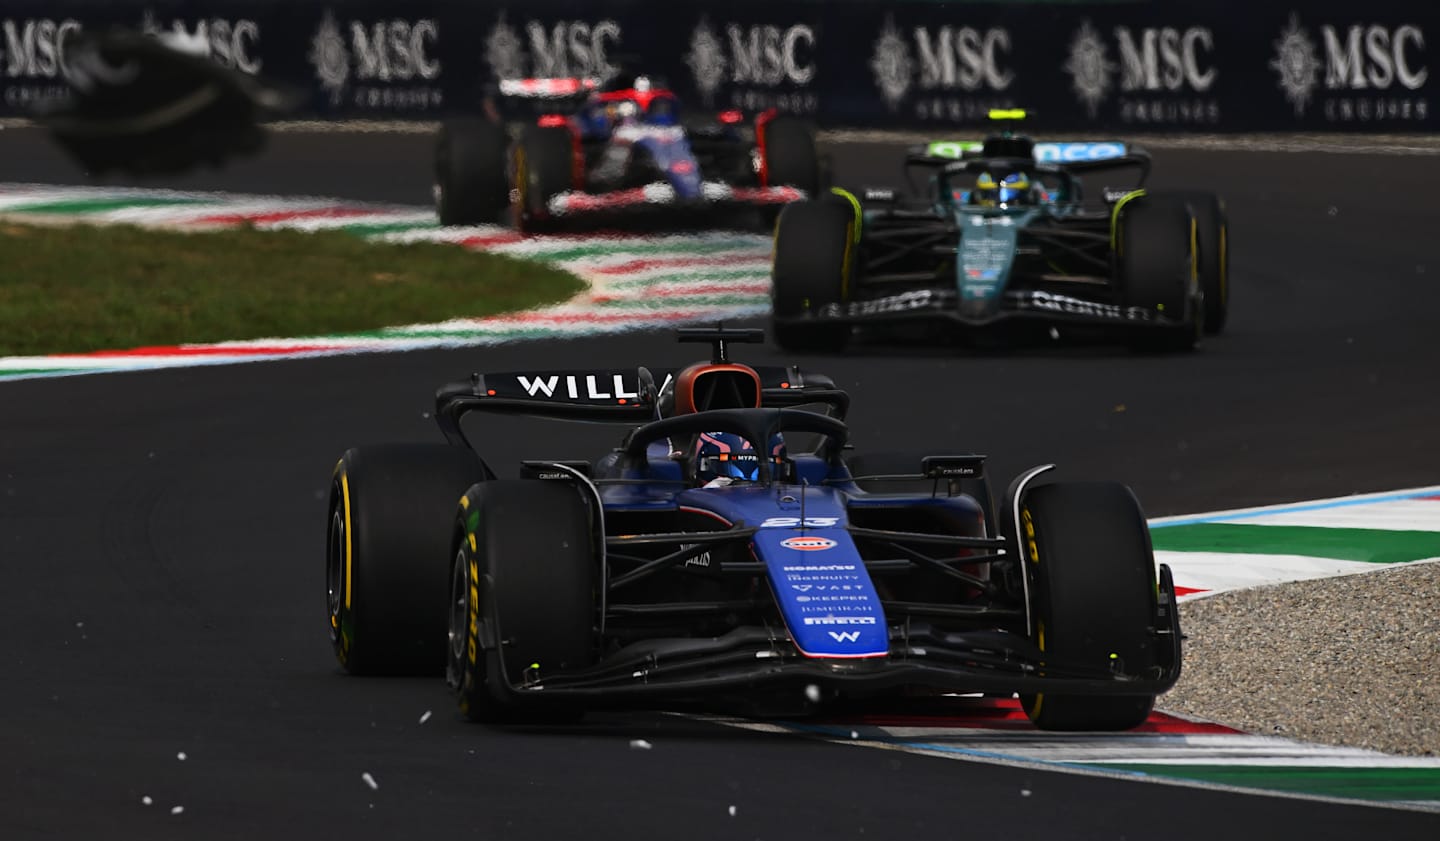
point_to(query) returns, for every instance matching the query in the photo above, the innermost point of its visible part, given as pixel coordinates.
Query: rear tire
(1156, 264)
(388, 553)
(814, 253)
(1092, 574)
(544, 167)
(471, 182)
(523, 594)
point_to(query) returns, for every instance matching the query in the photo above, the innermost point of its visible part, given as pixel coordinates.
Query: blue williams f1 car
(1004, 236)
(688, 566)
(592, 151)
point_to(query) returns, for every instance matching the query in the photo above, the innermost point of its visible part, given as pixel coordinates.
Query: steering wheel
(750, 424)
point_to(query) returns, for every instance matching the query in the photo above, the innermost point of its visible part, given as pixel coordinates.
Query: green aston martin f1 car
(1003, 237)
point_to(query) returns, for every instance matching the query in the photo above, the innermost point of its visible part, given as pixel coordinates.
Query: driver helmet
(1011, 189)
(726, 455)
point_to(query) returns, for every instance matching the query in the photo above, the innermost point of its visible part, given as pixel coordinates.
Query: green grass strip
(369, 229)
(81, 288)
(81, 206)
(1378, 546)
(1379, 784)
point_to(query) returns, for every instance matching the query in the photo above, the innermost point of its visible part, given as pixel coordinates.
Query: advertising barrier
(1128, 65)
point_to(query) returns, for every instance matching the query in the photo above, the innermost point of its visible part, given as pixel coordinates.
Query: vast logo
(758, 55)
(947, 60)
(1152, 60)
(1358, 58)
(565, 49)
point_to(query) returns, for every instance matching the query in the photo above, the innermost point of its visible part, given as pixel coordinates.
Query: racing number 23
(793, 522)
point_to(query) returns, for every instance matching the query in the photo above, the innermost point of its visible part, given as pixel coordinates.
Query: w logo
(845, 636)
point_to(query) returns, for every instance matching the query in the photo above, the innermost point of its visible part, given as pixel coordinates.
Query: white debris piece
(426, 717)
(180, 756)
(732, 811)
(146, 800)
(369, 780)
(177, 810)
(639, 744)
(1024, 792)
(813, 693)
(854, 734)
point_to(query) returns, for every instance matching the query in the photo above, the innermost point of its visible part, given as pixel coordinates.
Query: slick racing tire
(814, 252)
(1087, 554)
(471, 184)
(1212, 229)
(523, 595)
(544, 167)
(388, 552)
(1156, 260)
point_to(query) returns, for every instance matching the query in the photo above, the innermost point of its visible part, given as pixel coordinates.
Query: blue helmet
(727, 455)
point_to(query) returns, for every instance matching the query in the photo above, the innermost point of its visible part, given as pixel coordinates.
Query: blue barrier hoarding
(1182, 65)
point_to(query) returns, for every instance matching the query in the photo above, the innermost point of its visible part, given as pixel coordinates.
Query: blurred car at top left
(588, 150)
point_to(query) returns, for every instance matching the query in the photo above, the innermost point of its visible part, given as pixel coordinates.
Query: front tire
(1213, 233)
(387, 554)
(1157, 263)
(813, 264)
(523, 593)
(1087, 553)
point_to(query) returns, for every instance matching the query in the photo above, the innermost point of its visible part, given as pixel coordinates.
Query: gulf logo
(808, 544)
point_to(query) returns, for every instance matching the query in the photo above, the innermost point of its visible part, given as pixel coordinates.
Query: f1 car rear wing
(609, 395)
(1066, 156)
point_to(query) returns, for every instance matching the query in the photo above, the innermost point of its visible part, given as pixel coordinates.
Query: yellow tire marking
(349, 541)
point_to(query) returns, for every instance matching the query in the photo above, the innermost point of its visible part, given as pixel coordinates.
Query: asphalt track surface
(161, 536)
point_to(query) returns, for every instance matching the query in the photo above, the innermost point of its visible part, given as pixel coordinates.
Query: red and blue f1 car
(588, 149)
(824, 576)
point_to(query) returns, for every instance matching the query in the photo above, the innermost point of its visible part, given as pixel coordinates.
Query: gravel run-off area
(1351, 661)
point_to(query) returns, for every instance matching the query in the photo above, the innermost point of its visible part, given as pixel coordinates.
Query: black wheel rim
(335, 569)
(459, 621)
